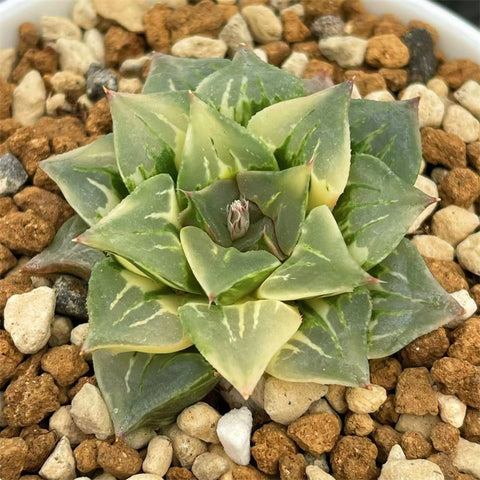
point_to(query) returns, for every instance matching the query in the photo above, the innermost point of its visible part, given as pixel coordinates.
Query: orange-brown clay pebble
(423, 351)
(414, 393)
(415, 445)
(292, 467)
(119, 459)
(121, 44)
(353, 458)
(385, 437)
(458, 71)
(86, 456)
(442, 148)
(40, 443)
(450, 472)
(366, 82)
(386, 414)
(247, 473)
(461, 187)
(385, 372)
(10, 357)
(276, 52)
(179, 473)
(13, 453)
(294, 30)
(387, 51)
(65, 364)
(448, 273)
(466, 340)
(445, 438)
(156, 31)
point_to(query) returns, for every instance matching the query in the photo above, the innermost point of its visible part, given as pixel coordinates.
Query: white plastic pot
(458, 38)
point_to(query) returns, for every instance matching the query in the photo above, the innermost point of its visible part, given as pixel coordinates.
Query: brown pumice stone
(442, 148)
(448, 273)
(65, 364)
(460, 186)
(414, 394)
(423, 351)
(385, 437)
(415, 445)
(385, 372)
(119, 459)
(466, 341)
(445, 438)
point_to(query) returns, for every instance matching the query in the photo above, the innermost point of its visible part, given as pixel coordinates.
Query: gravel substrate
(419, 418)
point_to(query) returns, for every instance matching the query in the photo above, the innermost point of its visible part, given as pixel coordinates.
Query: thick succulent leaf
(143, 229)
(389, 131)
(146, 390)
(89, 178)
(129, 312)
(217, 147)
(247, 86)
(239, 340)
(207, 209)
(281, 196)
(225, 274)
(320, 264)
(330, 345)
(149, 133)
(409, 303)
(169, 74)
(376, 209)
(311, 129)
(65, 256)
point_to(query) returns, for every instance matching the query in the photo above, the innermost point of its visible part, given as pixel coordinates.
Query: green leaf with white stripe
(217, 147)
(173, 74)
(146, 390)
(94, 168)
(409, 303)
(281, 196)
(311, 129)
(207, 209)
(143, 229)
(389, 131)
(320, 264)
(376, 210)
(149, 133)
(65, 256)
(331, 344)
(239, 340)
(225, 274)
(129, 312)
(248, 85)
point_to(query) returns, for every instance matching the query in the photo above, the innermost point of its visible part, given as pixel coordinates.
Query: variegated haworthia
(242, 235)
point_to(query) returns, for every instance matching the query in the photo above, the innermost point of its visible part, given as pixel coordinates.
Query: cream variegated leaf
(331, 344)
(94, 168)
(143, 229)
(149, 133)
(239, 340)
(320, 264)
(128, 312)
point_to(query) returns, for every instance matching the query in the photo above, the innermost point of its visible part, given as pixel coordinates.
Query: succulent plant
(249, 228)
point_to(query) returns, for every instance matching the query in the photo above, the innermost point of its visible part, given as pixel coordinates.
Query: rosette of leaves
(249, 228)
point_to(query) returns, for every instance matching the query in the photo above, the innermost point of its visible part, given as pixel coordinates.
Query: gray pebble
(12, 174)
(71, 297)
(97, 78)
(327, 26)
(423, 62)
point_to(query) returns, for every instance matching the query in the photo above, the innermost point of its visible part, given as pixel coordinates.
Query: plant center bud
(238, 218)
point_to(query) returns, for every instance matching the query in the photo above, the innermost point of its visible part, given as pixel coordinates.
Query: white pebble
(461, 122)
(84, 102)
(296, 63)
(380, 96)
(453, 224)
(348, 51)
(185, 448)
(94, 40)
(200, 421)
(209, 466)
(365, 400)
(452, 410)
(57, 102)
(145, 476)
(79, 335)
(236, 34)
(438, 174)
(133, 66)
(28, 318)
(417, 423)
(62, 423)
(265, 26)
(130, 85)
(74, 55)
(467, 457)
(467, 303)
(90, 412)
(199, 47)
(159, 455)
(139, 438)
(355, 93)
(128, 13)
(322, 406)
(468, 253)
(60, 465)
(430, 188)
(53, 28)
(398, 467)
(439, 86)
(261, 54)
(433, 247)
(174, 4)
(336, 398)
(3, 418)
(430, 108)
(60, 331)
(468, 95)
(84, 15)
(287, 401)
(234, 430)
(29, 99)
(66, 82)
(7, 60)
(316, 473)
(105, 476)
